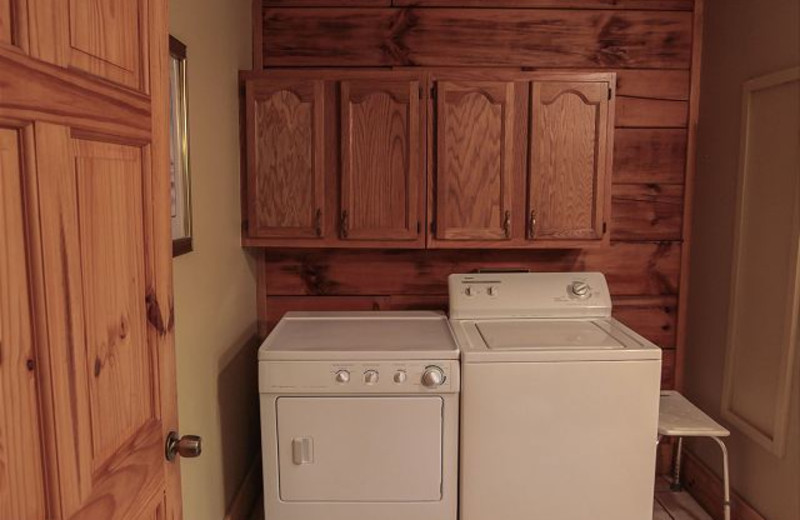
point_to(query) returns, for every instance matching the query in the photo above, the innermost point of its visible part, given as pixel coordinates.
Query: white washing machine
(559, 408)
(359, 416)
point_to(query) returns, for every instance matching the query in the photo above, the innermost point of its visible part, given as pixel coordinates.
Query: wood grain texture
(569, 160)
(647, 211)
(632, 269)
(106, 39)
(48, 93)
(110, 451)
(6, 22)
(474, 166)
(327, 3)
(121, 385)
(383, 173)
(22, 482)
(473, 37)
(285, 133)
(651, 113)
(649, 156)
(661, 5)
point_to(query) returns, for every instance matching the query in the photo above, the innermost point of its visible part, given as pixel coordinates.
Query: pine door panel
(569, 160)
(382, 169)
(286, 159)
(6, 23)
(103, 361)
(474, 167)
(104, 38)
(22, 485)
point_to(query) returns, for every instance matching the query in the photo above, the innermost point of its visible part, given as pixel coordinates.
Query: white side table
(678, 417)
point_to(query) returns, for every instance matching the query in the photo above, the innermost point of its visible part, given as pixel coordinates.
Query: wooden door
(86, 342)
(382, 160)
(569, 160)
(285, 158)
(474, 160)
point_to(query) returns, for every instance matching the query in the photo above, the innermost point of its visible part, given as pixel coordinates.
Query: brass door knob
(188, 446)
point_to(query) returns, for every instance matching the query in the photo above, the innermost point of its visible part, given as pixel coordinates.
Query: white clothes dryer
(359, 416)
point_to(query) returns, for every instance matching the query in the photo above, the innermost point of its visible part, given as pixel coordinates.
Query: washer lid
(546, 335)
(361, 336)
(550, 340)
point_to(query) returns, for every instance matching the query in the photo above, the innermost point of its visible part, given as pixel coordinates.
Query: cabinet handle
(507, 224)
(532, 225)
(345, 223)
(318, 222)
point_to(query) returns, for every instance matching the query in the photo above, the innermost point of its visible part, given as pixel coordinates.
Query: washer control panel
(380, 377)
(528, 295)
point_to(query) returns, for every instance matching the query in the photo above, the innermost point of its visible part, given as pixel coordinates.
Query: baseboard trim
(247, 496)
(706, 488)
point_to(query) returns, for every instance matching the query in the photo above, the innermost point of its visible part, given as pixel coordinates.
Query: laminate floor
(667, 505)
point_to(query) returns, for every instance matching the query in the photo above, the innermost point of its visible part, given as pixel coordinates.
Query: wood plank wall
(649, 43)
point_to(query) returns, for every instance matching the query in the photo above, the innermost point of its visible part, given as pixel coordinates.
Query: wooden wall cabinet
(474, 128)
(570, 154)
(508, 159)
(335, 159)
(382, 166)
(285, 158)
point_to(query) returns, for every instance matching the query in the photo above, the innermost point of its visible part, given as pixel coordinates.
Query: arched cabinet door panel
(569, 160)
(474, 128)
(285, 158)
(382, 159)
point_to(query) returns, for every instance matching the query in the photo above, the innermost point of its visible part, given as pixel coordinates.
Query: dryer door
(360, 449)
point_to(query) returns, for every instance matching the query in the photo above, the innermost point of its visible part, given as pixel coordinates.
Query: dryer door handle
(303, 450)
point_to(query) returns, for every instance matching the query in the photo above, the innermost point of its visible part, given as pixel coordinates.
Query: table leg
(676, 467)
(726, 504)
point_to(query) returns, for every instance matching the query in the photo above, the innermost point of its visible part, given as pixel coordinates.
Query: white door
(360, 449)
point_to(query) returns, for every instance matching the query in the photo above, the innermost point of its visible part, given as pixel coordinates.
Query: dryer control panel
(361, 377)
(529, 295)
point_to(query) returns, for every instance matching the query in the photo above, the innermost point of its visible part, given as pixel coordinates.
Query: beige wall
(215, 284)
(743, 39)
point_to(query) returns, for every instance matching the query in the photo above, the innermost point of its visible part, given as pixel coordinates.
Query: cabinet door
(474, 163)
(569, 160)
(382, 153)
(285, 158)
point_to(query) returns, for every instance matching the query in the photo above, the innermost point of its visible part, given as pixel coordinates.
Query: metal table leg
(676, 467)
(726, 504)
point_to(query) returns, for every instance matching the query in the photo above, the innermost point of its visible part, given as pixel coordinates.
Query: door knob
(188, 446)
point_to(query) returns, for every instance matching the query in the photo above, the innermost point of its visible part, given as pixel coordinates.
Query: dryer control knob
(400, 376)
(371, 377)
(342, 376)
(433, 377)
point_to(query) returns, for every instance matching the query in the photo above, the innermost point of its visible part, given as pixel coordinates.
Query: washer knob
(400, 376)
(580, 289)
(371, 377)
(342, 376)
(433, 377)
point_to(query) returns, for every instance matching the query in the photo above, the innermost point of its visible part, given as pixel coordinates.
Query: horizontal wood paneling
(351, 37)
(631, 268)
(652, 317)
(663, 5)
(653, 84)
(646, 211)
(649, 156)
(651, 113)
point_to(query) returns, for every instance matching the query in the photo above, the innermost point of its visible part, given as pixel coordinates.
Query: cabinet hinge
(609, 94)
